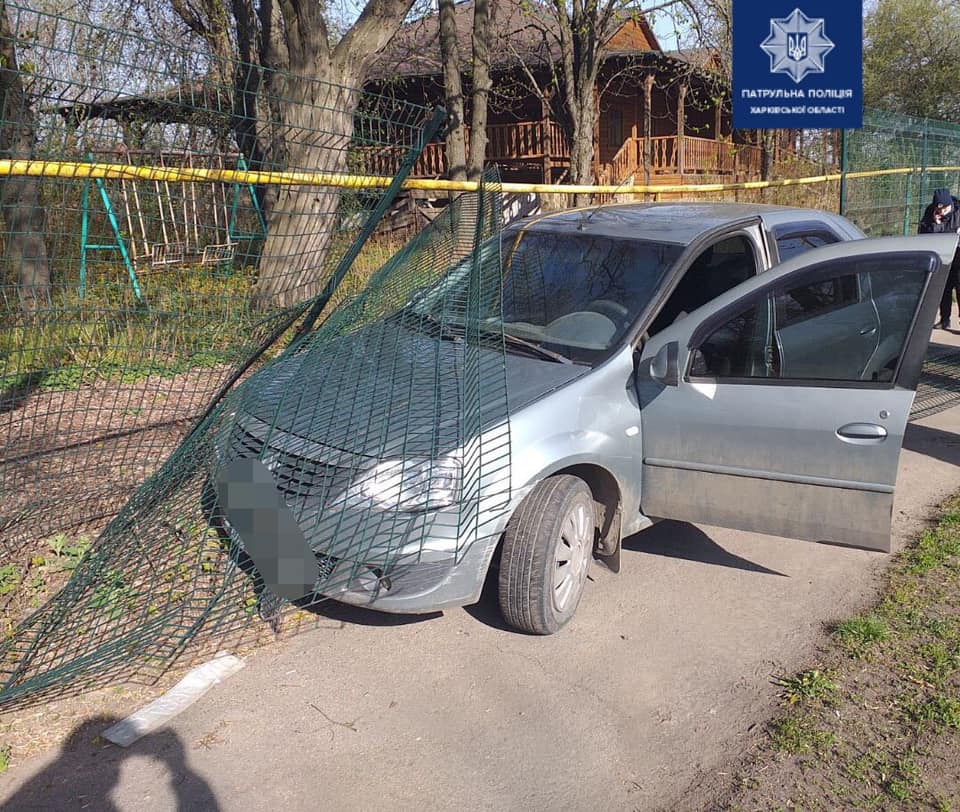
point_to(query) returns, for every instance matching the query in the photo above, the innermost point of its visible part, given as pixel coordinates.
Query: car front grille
(297, 477)
(244, 444)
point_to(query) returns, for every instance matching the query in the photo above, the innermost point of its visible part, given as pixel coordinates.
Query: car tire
(547, 550)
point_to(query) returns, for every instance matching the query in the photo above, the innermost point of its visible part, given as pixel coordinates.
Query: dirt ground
(874, 721)
(71, 458)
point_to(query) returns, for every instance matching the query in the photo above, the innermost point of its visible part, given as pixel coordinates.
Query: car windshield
(575, 294)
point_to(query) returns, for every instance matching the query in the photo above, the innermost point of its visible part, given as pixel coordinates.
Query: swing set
(159, 224)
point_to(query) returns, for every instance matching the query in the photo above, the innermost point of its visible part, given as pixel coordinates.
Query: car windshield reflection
(572, 294)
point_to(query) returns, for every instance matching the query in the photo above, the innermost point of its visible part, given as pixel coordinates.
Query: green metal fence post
(84, 217)
(923, 164)
(843, 172)
(906, 204)
(232, 229)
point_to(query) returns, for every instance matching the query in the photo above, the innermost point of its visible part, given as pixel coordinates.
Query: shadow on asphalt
(88, 769)
(667, 538)
(673, 539)
(932, 442)
(359, 616)
(487, 609)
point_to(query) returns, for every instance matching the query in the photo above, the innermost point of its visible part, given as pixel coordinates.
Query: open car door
(780, 406)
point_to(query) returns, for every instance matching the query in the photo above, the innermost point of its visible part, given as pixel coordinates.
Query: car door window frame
(695, 250)
(911, 356)
(801, 228)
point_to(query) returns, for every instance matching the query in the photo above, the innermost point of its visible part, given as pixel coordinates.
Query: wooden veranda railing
(386, 161)
(700, 156)
(519, 141)
(526, 139)
(625, 163)
(545, 140)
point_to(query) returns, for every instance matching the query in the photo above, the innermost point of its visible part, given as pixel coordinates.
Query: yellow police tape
(108, 171)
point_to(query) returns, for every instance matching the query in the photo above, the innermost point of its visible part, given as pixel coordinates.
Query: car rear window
(793, 241)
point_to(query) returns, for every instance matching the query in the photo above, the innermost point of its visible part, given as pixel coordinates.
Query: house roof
(522, 33)
(189, 103)
(702, 59)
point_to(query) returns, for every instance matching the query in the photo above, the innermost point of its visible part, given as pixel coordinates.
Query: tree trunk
(293, 104)
(461, 161)
(318, 124)
(581, 142)
(456, 150)
(580, 37)
(482, 85)
(318, 100)
(23, 214)
(767, 142)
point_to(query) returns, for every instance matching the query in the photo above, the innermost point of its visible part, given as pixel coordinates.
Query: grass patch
(876, 726)
(935, 547)
(812, 684)
(799, 734)
(25, 585)
(941, 710)
(9, 578)
(190, 318)
(858, 635)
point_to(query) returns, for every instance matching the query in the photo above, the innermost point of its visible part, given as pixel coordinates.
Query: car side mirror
(664, 366)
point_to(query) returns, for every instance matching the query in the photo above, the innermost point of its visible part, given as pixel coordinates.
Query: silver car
(745, 366)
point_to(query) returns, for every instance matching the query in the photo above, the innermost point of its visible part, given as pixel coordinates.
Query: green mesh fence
(893, 203)
(129, 306)
(924, 153)
(125, 304)
(376, 445)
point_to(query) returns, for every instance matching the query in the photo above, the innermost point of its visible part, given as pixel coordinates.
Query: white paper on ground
(181, 696)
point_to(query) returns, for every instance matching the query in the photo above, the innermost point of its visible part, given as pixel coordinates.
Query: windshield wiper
(454, 331)
(444, 328)
(543, 352)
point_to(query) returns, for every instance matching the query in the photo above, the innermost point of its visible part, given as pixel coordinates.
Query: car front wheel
(547, 550)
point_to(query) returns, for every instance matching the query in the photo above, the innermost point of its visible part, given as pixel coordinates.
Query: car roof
(679, 223)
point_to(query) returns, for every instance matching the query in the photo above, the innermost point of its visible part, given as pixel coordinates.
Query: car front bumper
(429, 582)
(400, 563)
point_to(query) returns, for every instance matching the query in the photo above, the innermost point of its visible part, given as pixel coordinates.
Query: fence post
(843, 173)
(906, 204)
(923, 163)
(84, 219)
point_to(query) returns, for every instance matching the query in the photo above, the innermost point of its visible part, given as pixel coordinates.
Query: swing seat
(216, 254)
(170, 253)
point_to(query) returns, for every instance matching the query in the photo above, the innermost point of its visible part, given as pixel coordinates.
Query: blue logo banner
(797, 64)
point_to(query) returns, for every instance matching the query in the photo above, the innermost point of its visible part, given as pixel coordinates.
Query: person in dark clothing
(942, 216)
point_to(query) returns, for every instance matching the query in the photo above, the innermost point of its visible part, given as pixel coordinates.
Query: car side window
(791, 243)
(718, 268)
(741, 348)
(817, 298)
(849, 326)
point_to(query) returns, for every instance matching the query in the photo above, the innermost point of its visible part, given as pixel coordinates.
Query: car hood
(385, 391)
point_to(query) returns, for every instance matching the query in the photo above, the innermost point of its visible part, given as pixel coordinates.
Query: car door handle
(870, 329)
(862, 433)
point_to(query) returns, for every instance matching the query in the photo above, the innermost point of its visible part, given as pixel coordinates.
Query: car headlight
(413, 484)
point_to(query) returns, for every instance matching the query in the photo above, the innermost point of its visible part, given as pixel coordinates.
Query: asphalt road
(663, 678)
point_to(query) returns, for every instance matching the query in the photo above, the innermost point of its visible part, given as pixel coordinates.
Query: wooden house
(664, 117)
